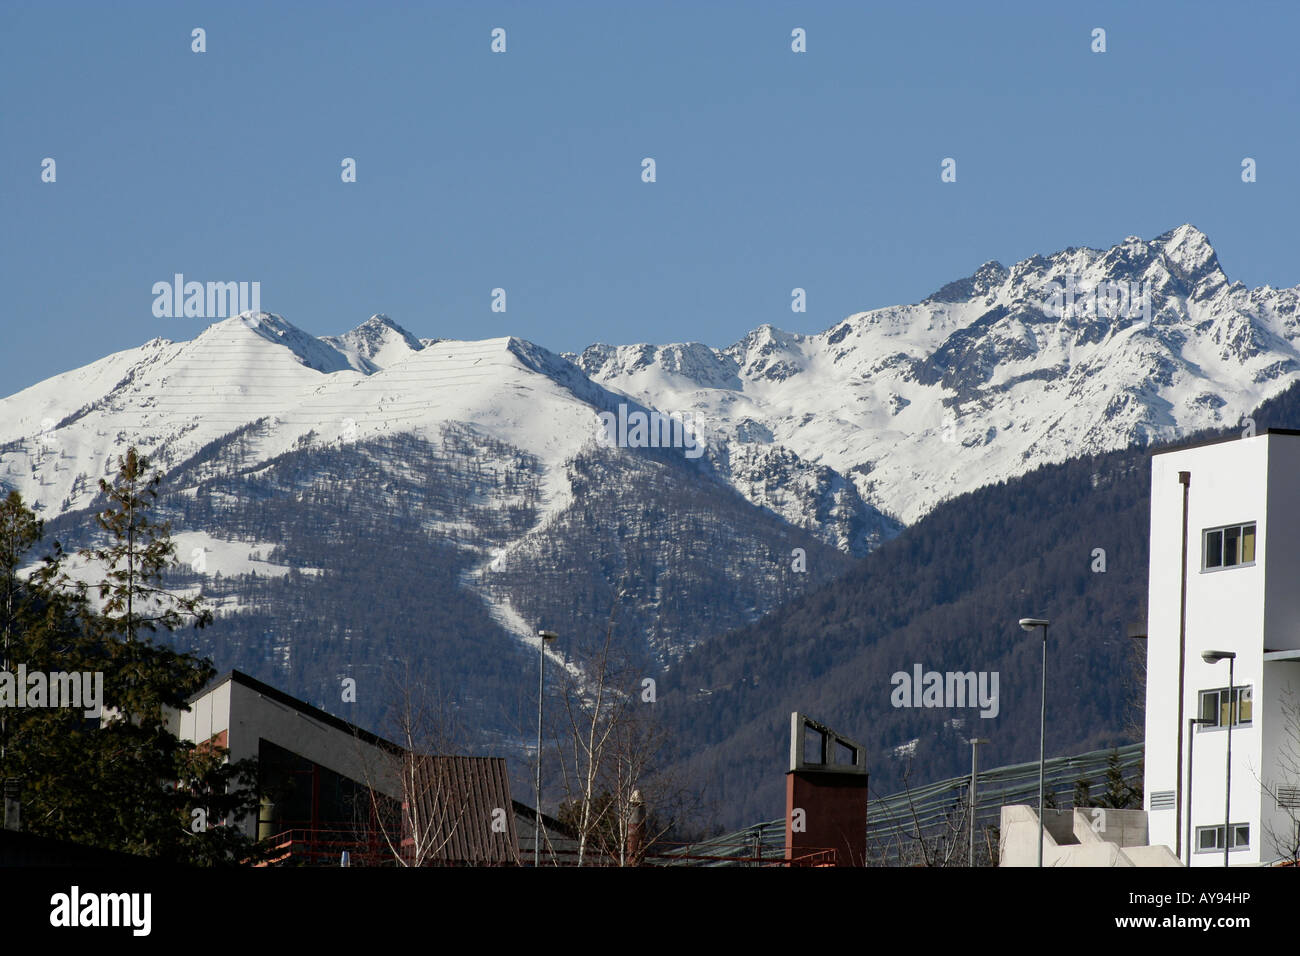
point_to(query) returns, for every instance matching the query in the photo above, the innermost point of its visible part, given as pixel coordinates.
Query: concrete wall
(1282, 596)
(1059, 824)
(1086, 846)
(1124, 828)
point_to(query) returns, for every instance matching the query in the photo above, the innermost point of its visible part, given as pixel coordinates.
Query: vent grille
(1162, 800)
(1288, 796)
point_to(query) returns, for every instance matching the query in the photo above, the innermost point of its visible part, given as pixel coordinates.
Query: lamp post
(1029, 623)
(543, 637)
(1192, 723)
(1213, 657)
(974, 749)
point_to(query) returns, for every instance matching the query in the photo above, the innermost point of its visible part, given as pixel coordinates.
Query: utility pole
(1184, 479)
(543, 637)
(974, 778)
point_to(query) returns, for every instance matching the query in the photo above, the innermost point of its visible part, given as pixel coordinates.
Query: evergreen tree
(1120, 793)
(138, 552)
(121, 779)
(45, 629)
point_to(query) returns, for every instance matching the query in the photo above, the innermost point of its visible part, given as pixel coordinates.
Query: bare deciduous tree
(416, 806)
(618, 802)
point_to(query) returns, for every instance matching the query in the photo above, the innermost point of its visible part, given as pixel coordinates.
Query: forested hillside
(374, 568)
(947, 594)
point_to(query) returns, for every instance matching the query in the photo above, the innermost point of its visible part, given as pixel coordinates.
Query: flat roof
(279, 696)
(1219, 440)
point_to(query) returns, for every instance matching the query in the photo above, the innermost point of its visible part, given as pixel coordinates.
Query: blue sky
(522, 170)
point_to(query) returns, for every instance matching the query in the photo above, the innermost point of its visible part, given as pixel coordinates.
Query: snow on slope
(986, 379)
(896, 408)
(200, 552)
(375, 344)
(170, 399)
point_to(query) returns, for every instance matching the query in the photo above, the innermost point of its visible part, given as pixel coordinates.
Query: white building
(1240, 503)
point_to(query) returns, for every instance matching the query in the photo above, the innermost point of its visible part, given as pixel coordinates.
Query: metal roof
(463, 809)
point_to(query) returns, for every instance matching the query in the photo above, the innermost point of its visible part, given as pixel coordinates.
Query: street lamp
(1213, 657)
(543, 638)
(1029, 623)
(1192, 723)
(974, 749)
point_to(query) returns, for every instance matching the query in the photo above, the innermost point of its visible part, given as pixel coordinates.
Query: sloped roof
(288, 700)
(462, 808)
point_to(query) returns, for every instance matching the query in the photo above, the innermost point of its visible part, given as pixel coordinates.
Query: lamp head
(1029, 623)
(1213, 657)
(547, 635)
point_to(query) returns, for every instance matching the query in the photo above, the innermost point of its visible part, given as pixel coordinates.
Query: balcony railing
(304, 847)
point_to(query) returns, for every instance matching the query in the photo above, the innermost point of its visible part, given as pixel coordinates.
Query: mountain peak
(307, 349)
(381, 323)
(1192, 258)
(374, 344)
(988, 276)
(1186, 242)
(267, 325)
(380, 320)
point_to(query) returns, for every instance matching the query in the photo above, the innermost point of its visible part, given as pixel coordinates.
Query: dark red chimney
(825, 797)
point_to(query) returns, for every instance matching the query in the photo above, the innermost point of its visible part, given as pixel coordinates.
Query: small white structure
(1237, 505)
(1082, 837)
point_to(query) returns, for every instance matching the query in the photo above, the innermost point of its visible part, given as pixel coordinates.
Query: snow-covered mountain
(172, 398)
(375, 344)
(992, 375)
(489, 449)
(374, 498)
(893, 409)
(889, 411)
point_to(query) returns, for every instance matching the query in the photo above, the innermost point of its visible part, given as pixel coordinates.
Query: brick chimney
(636, 830)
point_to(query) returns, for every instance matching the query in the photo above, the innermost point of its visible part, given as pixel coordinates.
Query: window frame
(1238, 691)
(1222, 530)
(1217, 828)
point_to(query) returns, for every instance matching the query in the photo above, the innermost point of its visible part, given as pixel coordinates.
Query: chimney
(635, 830)
(825, 796)
(13, 818)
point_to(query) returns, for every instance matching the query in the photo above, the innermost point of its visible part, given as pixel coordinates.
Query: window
(1209, 839)
(1218, 708)
(1228, 547)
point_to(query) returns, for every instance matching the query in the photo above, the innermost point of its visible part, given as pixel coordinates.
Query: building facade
(1236, 505)
(315, 771)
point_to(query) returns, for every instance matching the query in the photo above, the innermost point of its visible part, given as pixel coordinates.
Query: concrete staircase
(1091, 836)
